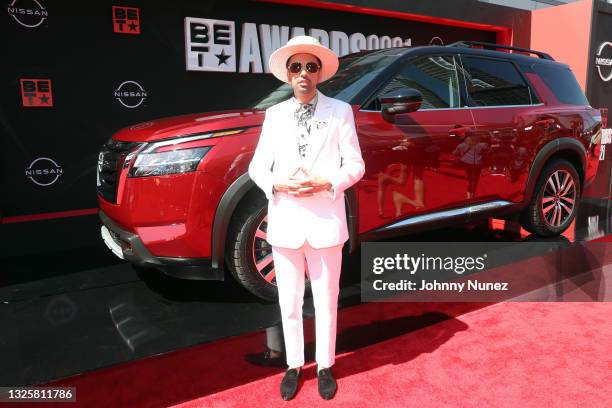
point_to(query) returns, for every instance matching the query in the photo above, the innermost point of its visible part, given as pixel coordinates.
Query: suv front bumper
(129, 246)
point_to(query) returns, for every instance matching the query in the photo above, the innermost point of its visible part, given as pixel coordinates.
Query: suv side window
(434, 76)
(562, 82)
(494, 82)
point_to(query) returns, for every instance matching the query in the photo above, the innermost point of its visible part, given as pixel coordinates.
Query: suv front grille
(111, 157)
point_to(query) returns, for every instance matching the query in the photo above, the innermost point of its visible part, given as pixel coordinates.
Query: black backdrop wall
(65, 62)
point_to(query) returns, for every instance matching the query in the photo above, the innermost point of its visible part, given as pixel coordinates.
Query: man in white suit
(308, 154)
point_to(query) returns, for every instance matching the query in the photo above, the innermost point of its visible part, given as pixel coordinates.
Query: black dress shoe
(327, 384)
(266, 359)
(289, 384)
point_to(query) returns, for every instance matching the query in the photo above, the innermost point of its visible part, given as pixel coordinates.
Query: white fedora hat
(303, 44)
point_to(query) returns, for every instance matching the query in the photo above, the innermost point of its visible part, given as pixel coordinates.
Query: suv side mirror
(403, 100)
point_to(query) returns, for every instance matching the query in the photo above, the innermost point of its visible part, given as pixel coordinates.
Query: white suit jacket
(334, 154)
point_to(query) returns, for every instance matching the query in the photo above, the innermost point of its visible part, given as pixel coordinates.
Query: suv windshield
(355, 71)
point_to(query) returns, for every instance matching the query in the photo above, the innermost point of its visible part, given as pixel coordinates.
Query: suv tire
(554, 202)
(247, 247)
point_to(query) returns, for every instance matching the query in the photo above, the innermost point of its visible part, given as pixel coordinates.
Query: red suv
(449, 134)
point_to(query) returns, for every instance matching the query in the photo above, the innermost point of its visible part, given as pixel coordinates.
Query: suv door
(410, 163)
(509, 128)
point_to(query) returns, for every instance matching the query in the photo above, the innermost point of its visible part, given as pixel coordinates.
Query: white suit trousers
(324, 265)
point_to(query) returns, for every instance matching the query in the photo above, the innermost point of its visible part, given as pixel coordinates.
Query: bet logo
(210, 45)
(36, 93)
(126, 20)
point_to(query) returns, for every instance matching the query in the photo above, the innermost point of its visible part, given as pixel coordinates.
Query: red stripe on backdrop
(48, 216)
(504, 34)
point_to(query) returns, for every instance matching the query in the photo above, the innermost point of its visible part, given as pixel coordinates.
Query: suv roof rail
(491, 46)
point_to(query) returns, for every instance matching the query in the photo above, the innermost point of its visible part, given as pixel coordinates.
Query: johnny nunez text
(470, 285)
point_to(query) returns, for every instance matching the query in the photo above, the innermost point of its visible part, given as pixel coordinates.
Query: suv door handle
(458, 131)
(544, 122)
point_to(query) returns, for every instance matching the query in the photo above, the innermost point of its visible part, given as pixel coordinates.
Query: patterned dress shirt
(303, 118)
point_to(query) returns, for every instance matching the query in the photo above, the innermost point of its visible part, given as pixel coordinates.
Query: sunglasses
(296, 67)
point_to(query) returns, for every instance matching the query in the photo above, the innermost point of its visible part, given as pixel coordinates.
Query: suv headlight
(169, 162)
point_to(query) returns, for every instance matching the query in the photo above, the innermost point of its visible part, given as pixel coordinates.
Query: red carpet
(461, 354)
(505, 355)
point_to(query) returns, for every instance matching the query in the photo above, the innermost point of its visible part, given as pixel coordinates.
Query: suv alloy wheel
(249, 255)
(555, 199)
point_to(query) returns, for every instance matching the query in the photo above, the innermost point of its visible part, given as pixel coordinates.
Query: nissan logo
(130, 94)
(603, 61)
(44, 171)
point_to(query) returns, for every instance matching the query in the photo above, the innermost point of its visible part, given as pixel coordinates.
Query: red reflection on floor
(513, 226)
(607, 238)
